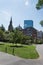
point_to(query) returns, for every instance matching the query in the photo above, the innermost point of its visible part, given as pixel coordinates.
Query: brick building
(30, 31)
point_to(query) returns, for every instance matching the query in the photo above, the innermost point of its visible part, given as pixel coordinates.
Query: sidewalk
(6, 59)
(39, 48)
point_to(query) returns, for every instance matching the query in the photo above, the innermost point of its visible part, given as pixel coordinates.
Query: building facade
(39, 34)
(28, 23)
(30, 31)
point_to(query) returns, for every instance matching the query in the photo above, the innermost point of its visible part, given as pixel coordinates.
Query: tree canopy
(41, 22)
(2, 28)
(39, 5)
(1, 35)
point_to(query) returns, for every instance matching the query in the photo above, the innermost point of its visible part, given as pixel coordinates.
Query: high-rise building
(28, 23)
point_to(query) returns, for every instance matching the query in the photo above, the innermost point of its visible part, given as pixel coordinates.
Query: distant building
(39, 34)
(30, 31)
(19, 27)
(28, 23)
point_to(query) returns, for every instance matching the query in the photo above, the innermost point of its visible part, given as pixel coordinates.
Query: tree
(8, 37)
(1, 35)
(17, 37)
(41, 22)
(10, 27)
(19, 27)
(39, 5)
(2, 28)
(26, 40)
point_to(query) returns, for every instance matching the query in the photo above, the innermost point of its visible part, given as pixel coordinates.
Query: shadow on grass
(17, 46)
(1, 44)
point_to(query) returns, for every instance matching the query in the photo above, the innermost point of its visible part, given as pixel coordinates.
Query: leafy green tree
(2, 28)
(39, 5)
(18, 35)
(8, 37)
(19, 27)
(41, 22)
(10, 27)
(1, 35)
(26, 39)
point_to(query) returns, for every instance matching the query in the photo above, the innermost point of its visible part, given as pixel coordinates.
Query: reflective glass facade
(28, 23)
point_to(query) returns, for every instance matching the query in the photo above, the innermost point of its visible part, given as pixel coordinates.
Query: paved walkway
(40, 50)
(7, 59)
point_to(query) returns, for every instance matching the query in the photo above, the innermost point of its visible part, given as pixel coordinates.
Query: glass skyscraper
(28, 23)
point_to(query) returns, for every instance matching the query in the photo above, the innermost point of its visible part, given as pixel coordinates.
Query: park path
(7, 59)
(39, 49)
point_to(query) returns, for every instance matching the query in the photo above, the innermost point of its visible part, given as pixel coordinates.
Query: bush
(39, 41)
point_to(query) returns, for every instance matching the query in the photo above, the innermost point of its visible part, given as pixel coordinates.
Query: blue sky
(20, 10)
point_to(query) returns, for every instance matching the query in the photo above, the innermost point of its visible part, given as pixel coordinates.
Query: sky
(20, 10)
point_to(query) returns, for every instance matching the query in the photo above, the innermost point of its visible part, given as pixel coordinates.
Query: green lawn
(24, 51)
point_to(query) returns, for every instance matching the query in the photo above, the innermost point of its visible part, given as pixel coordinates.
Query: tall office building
(28, 23)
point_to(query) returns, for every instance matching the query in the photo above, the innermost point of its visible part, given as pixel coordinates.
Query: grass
(24, 51)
